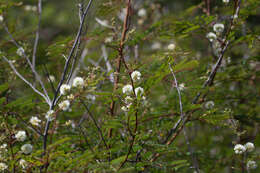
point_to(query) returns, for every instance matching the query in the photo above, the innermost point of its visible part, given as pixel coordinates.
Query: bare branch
(27, 82)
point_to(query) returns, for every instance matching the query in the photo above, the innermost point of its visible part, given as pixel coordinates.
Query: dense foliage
(129, 86)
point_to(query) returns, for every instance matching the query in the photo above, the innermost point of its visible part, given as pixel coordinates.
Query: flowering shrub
(142, 86)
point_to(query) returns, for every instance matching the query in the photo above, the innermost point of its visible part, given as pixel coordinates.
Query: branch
(95, 122)
(30, 64)
(37, 35)
(27, 82)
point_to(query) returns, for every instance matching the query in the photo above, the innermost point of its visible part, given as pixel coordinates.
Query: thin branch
(95, 122)
(37, 35)
(30, 64)
(27, 82)
(109, 67)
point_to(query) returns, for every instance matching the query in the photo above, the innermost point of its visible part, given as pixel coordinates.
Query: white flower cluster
(142, 12)
(20, 136)
(171, 46)
(35, 121)
(49, 115)
(128, 90)
(20, 51)
(27, 148)
(1, 18)
(64, 89)
(64, 105)
(226, 1)
(30, 8)
(240, 149)
(23, 163)
(209, 105)
(218, 29)
(136, 76)
(3, 166)
(78, 82)
(251, 164)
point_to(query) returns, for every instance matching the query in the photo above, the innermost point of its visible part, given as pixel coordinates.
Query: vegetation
(129, 86)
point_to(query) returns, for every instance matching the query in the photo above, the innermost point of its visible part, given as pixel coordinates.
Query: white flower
(171, 46)
(124, 108)
(20, 136)
(3, 146)
(23, 163)
(128, 100)
(251, 164)
(3, 166)
(211, 36)
(20, 51)
(136, 76)
(226, 1)
(1, 18)
(35, 121)
(218, 27)
(65, 105)
(156, 46)
(139, 91)
(50, 115)
(64, 89)
(27, 148)
(182, 86)
(209, 104)
(52, 78)
(71, 97)
(108, 39)
(239, 149)
(249, 146)
(78, 82)
(127, 89)
(142, 12)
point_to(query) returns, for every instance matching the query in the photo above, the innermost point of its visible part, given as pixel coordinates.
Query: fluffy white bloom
(239, 149)
(78, 82)
(1, 18)
(128, 100)
(23, 163)
(50, 115)
(20, 136)
(136, 76)
(171, 46)
(52, 78)
(20, 51)
(156, 46)
(226, 1)
(108, 39)
(65, 105)
(249, 146)
(251, 164)
(3, 166)
(71, 97)
(211, 36)
(35, 121)
(218, 27)
(27, 148)
(142, 12)
(124, 108)
(127, 89)
(209, 104)
(64, 89)
(3, 146)
(139, 91)
(182, 86)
